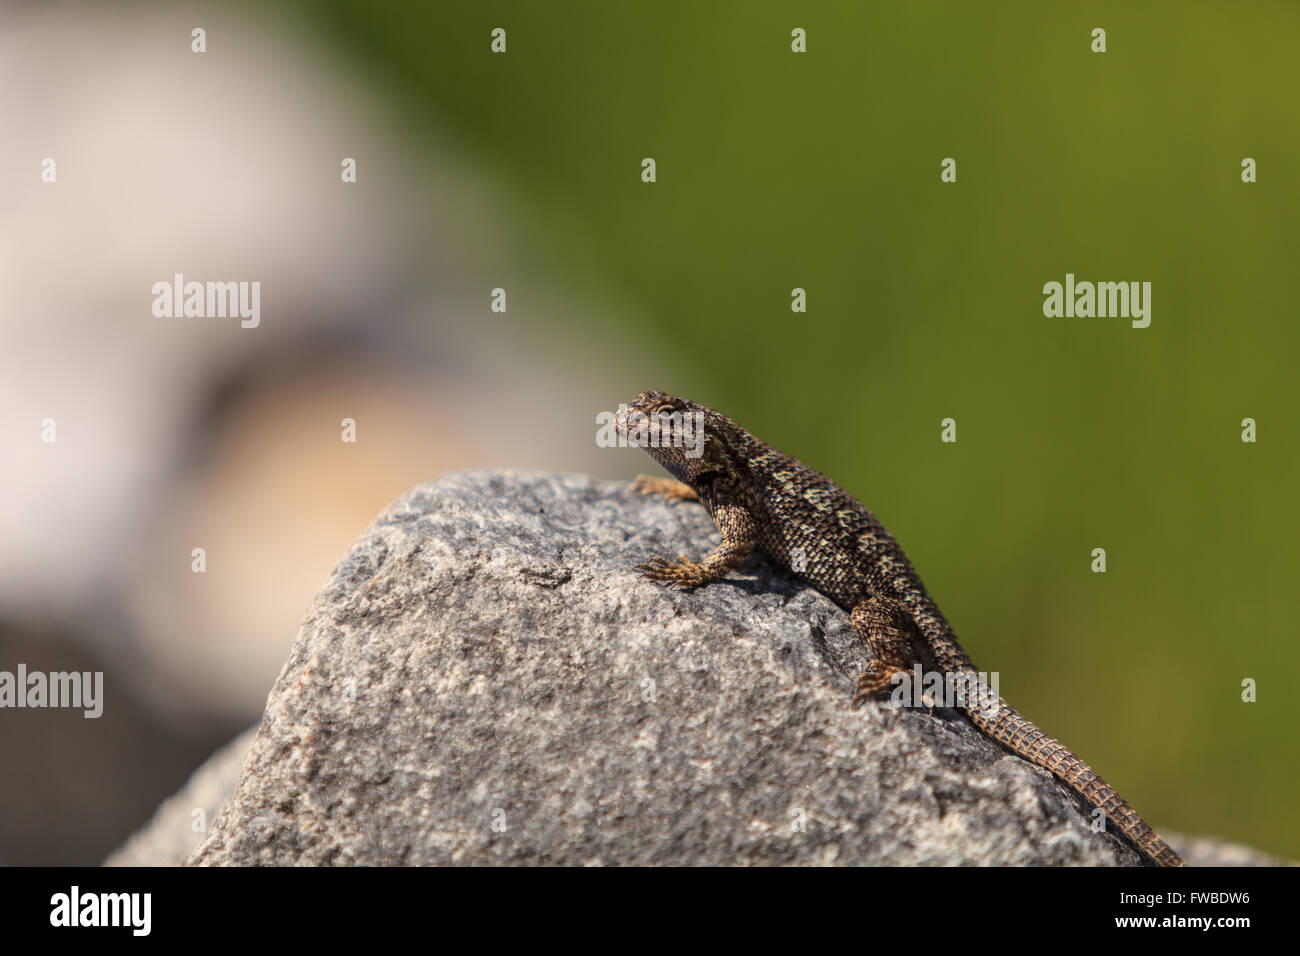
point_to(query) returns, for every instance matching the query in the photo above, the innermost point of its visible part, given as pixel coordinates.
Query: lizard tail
(1001, 722)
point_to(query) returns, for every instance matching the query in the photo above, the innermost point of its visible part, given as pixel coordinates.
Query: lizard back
(804, 522)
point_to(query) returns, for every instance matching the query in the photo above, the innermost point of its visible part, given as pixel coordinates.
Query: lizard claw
(683, 572)
(670, 491)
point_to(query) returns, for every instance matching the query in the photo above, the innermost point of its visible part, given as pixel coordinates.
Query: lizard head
(679, 434)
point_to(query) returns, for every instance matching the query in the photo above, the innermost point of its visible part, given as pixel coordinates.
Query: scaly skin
(804, 522)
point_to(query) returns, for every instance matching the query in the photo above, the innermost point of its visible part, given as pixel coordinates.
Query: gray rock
(1211, 851)
(485, 679)
(169, 837)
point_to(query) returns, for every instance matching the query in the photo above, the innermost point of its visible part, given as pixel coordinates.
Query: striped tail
(1001, 722)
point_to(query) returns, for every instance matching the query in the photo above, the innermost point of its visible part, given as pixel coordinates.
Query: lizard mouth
(630, 418)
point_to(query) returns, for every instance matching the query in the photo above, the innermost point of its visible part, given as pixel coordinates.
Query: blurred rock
(1210, 851)
(170, 837)
(73, 787)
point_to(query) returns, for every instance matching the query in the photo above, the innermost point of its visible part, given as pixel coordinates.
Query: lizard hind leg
(888, 629)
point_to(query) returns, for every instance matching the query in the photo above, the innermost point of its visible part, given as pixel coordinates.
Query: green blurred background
(822, 171)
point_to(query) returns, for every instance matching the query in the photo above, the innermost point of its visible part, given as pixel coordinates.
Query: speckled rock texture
(486, 680)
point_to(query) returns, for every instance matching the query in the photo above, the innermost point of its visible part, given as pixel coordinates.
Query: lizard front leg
(738, 539)
(671, 490)
(888, 629)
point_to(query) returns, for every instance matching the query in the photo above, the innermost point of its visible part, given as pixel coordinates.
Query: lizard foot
(671, 491)
(878, 677)
(889, 631)
(683, 572)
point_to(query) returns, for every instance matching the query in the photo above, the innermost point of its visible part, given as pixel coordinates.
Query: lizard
(760, 498)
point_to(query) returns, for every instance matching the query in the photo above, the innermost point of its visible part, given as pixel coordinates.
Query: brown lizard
(761, 498)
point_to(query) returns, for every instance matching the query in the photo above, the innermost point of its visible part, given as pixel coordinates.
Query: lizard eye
(665, 407)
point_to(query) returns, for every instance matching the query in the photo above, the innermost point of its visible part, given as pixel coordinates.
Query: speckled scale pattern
(762, 498)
